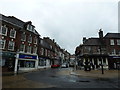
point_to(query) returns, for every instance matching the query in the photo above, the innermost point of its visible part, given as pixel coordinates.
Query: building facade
(22, 48)
(98, 51)
(19, 41)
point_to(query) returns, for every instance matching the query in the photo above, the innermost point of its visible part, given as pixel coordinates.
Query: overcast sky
(66, 21)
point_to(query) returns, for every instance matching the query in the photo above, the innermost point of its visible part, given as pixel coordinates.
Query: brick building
(21, 46)
(45, 54)
(19, 41)
(97, 51)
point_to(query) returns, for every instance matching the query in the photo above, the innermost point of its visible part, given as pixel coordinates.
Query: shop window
(27, 64)
(30, 64)
(42, 62)
(28, 49)
(2, 44)
(30, 39)
(112, 42)
(3, 30)
(12, 33)
(23, 36)
(2, 62)
(118, 42)
(35, 50)
(11, 45)
(22, 47)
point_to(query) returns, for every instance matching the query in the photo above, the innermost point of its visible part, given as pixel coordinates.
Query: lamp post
(101, 61)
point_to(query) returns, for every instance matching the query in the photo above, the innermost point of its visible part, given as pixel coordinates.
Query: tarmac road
(54, 77)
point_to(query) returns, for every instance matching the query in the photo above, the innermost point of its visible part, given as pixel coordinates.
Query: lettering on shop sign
(27, 56)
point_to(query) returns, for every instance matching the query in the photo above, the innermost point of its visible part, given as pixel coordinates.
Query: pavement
(19, 81)
(20, 72)
(97, 73)
(11, 80)
(92, 73)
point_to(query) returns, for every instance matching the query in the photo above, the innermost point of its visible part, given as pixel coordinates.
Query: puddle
(82, 81)
(53, 76)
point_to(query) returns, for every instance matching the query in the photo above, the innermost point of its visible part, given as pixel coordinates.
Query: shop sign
(27, 56)
(116, 57)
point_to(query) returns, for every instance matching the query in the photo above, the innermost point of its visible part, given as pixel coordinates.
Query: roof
(15, 21)
(112, 35)
(12, 20)
(92, 41)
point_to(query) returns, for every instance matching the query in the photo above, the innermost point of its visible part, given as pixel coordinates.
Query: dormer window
(30, 39)
(3, 30)
(30, 27)
(12, 33)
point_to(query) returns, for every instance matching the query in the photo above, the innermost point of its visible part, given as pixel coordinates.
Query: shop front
(114, 62)
(25, 62)
(7, 61)
(44, 62)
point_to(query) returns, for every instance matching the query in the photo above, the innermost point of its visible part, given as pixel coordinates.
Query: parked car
(64, 65)
(55, 66)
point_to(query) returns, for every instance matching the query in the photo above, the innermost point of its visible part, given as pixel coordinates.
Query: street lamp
(101, 61)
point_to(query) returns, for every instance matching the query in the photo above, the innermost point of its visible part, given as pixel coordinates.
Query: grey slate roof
(112, 35)
(15, 21)
(92, 41)
(12, 20)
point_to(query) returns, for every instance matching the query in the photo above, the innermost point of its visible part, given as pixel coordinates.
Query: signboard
(27, 56)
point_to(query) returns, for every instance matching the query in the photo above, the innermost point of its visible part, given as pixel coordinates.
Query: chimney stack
(84, 39)
(100, 33)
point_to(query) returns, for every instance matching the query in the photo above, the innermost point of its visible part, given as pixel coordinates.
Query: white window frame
(113, 52)
(41, 42)
(118, 42)
(30, 49)
(34, 50)
(45, 52)
(112, 42)
(3, 45)
(30, 36)
(14, 33)
(22, 38)
(13, 45)
(42, 51)
(30, 27)
(6, 30)
(48, 52)
(23, 48)
(35, 40)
